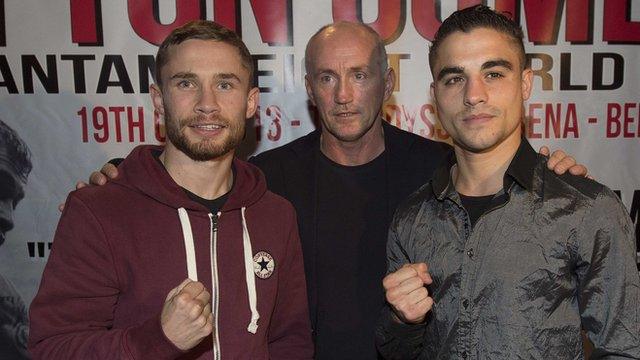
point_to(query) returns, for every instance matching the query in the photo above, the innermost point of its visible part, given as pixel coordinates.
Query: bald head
(332, 33)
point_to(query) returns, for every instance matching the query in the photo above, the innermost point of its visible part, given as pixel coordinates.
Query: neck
(481, 174)
(354, 153)
(207, 179)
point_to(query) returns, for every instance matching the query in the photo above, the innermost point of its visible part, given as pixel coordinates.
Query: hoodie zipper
(215, 293)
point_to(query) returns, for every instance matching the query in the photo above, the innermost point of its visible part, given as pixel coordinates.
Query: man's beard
(206, 149)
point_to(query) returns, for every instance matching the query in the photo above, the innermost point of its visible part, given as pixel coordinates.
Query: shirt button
(465, 303)
(470, 253)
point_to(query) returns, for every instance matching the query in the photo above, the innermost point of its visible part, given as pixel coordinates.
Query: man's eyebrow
(364, 68)
(228, 76)
(190, 76)
(323, 71)
(184, 75)
(449, 70)
(497, 63)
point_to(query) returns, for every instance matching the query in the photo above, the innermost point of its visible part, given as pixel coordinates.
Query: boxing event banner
(74, 80)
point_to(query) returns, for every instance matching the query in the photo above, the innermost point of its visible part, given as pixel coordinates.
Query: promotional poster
(75, 76)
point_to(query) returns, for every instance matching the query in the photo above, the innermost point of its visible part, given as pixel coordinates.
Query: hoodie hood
(141, 171)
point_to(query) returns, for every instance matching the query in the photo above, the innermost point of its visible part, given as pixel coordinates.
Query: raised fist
(406, 292)
(186, 315)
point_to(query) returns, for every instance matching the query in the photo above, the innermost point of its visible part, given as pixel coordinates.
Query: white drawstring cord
(187, 235)
(250, 277)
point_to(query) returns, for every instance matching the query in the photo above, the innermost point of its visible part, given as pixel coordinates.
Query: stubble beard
(206, 149)
(334, 128)
(481, 139)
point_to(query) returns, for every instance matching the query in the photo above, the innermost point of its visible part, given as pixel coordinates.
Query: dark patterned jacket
(552, 254)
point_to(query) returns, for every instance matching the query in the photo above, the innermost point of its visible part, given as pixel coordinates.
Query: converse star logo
(263, 265)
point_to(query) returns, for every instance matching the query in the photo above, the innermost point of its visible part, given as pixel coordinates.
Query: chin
(206, 150)
(348, 136)
(351, 133)
(476, 145)
(208, 154)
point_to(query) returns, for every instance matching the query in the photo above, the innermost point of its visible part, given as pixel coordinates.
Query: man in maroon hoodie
(186, 254)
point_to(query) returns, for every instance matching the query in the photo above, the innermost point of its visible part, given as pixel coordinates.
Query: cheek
(448, 126)
(447, 99)
(368, 96)
(509, 106)
(446, 106)
(233, 104)
(179, 103)
(324, 101)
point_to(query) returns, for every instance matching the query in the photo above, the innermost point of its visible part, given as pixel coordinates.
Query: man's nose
(207, 101)
(475, 92)
(344, 92)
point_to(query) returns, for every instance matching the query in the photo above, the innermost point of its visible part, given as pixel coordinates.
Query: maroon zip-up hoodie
(120, 248)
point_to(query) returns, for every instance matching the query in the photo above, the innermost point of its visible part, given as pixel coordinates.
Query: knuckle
(403, 305)
(414, 282)
(182, 300)
(196, 310)
(391, 299)
(394, 293)
(190, 287)
(430, 303)
(388, 282)
(200, 321)
(197, 286)
(207, 328)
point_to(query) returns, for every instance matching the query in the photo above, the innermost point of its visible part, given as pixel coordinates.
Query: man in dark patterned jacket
(516, 259)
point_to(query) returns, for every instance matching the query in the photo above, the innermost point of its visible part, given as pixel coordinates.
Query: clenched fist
(406, 292)
(186, 315)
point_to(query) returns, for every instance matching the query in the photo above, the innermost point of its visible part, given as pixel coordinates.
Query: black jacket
(290, 171)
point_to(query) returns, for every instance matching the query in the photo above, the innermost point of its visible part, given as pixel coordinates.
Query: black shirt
(475, 206)
(214, 205)
(352, 223)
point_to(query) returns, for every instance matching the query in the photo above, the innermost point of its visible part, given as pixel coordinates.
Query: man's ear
(527, 83)
(253, 99)
(307, 85)
(389, 83)
(156, 98)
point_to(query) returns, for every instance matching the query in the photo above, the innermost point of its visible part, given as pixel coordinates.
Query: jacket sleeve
(290, 329)
(608, 281)
(72, 314)
(396, 340)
